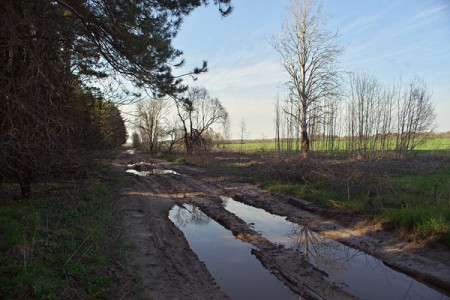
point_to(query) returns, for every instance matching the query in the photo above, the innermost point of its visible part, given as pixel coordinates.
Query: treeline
(194, 121)
(321, 102)
(366, 118)
(51, 55)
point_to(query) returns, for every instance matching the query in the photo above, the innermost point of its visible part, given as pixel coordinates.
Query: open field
(171, 264)
(411, 196)
(72, 240)
(269, 145)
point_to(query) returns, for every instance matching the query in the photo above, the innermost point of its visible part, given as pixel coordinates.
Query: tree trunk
(305, 144)
(25, 188)
(305, 138)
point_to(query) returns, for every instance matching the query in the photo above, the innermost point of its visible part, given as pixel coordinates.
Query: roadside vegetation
(65, 71)
(62, 244)
(410, 195)
(431, 144)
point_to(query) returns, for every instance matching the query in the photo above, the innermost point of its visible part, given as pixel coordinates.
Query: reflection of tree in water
(304, 240)
(325, 251)
(188, 214)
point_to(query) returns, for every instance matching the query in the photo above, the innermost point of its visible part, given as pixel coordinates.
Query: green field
(269, 145)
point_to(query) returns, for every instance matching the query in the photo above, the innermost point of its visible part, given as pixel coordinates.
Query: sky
(388, 39)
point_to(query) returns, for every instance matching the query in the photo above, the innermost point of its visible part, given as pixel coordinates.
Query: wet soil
(169, 269)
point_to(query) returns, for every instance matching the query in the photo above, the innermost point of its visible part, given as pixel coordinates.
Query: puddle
(130, 151)
(238, 273)
(146, 169)
(356, 272)
(151, 172)
(141, 166)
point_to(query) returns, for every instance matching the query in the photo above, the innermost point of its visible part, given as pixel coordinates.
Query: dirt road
(169, 269)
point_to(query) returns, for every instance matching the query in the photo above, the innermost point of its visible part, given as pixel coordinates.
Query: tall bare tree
(309, 54)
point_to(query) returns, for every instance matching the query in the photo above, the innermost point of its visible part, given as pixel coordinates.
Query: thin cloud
(361, 24)
(431, 11)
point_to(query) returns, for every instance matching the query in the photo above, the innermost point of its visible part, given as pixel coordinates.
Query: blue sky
(387, 39)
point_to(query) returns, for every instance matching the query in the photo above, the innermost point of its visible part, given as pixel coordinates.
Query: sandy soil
(169, 269)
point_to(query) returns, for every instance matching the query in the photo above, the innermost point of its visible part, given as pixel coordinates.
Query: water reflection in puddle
(238, 273)
(151, 172)
(358, 273)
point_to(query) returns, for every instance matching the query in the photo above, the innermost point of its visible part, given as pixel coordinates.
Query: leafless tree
(243, 133)
(309, 54)
(277, 120)
(226, 131)
(379, 117)
(198, 112)
(416, 116)
(365, 111)
(150, 114)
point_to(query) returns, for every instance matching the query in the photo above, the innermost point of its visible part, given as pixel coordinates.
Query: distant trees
(198, 112)
(373, 118)
(381, 119)
(309, 54)
(243, 132)
(365, 112)
(150, 116)
(415, 115)
(315, 113)
(196, 121)
(96, 123)
(51, 51)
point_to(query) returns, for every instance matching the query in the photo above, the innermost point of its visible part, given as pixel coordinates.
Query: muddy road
(200, 236)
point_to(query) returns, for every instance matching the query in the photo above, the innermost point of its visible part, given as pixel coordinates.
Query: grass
(410, 196)
(335, 198)
(174, 158)
(417, 205)
(58, 245)
(421, 206)
(269, 145)
(413, 205)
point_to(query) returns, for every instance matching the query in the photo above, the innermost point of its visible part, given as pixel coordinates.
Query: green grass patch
(430, 223)
(339, 145)
(56, 246)
(420, 204)
(335, 198)
(415, 204)
(434, 144)
(175, 159)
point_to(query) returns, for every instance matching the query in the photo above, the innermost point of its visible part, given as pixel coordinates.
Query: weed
(54, 246)
(428, 223)
(411, 195)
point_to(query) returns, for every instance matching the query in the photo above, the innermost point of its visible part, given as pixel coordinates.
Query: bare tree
(380, 117)
(198, 113)
(309, 54)
(243, 132)
(226, 131)
(416, 116)
(149, 121)
(366, 113)
(277, 124)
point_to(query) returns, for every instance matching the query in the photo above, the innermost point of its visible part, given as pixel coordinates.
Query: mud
(169, 269)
